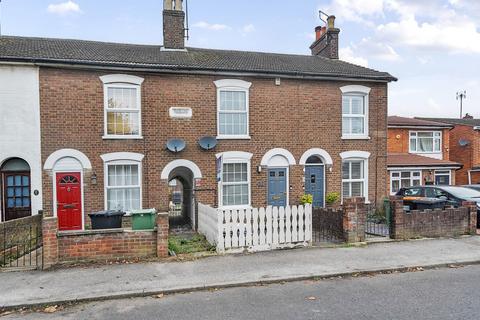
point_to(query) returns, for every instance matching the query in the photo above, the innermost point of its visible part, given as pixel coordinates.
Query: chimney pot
(331, 22)
(318, 32)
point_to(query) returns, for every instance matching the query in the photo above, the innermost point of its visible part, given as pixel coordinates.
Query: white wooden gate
(257, 229)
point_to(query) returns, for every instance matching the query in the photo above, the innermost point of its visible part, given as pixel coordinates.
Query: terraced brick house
(419, 153)
(464, 147)
(284, 125)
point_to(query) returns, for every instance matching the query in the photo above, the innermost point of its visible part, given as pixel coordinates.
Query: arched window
(16, 189)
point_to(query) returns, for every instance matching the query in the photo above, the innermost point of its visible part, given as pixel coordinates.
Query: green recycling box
(143, 219)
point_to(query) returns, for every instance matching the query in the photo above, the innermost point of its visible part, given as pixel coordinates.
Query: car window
(430, 193)
(413, 192)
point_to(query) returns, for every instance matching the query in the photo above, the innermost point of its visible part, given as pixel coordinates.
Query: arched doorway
(316, 160)
(315, 180)
(181, 198)
(15, 185)
(181, 175)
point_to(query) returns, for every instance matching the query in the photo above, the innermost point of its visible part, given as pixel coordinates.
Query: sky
(431, 46)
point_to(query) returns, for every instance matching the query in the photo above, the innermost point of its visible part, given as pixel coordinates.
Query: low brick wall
(106, 245)
(345, 223)
(451, 222)
(103, 245)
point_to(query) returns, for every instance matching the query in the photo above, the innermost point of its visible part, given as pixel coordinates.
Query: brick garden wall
(103, 245)
(297, 115)
(20, 230)
(106, 245)
(452, 222)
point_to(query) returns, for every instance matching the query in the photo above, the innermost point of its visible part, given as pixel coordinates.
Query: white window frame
(359, 91)
(414, 135)
(122, 81)
(357, 156)
(233, 85)
(399, 178)
(122, 158)
(443, 173)
(235, 157)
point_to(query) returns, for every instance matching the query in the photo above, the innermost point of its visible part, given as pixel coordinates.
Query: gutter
(175, 69)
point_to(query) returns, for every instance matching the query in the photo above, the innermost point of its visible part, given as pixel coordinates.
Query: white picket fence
(256, 229)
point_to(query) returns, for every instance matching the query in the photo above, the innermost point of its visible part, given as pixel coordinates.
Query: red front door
(69, 201)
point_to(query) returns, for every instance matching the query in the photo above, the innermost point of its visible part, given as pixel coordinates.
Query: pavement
(21, 289)
(443, 294)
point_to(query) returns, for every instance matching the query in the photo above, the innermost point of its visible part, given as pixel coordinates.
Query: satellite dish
(463, 142)
(176, 145)
(208, 143)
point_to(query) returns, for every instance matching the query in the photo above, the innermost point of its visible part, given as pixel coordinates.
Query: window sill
(122, 137)
(347, 137)
(234, 138)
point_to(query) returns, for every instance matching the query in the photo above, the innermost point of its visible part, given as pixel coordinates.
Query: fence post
(50, 241)
(397, 227)
(354, 217)
(162, 234)
(472, 216)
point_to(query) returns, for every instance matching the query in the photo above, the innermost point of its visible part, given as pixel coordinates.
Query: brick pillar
(50, 241)
(354, 217)
(472, 219)
(162, 234)
(397, 225)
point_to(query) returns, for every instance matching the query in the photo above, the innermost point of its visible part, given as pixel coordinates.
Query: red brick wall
(452, 222)
(297, 115)
(399, 141)
(117, 245)
(463, 155)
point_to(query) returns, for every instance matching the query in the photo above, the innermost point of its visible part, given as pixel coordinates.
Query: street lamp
(460, 96)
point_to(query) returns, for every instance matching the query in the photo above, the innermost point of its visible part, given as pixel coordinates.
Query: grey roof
(396, 121)
(455, 121)
(152, 57)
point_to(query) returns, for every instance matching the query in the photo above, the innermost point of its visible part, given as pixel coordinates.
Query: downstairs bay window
(404, 179)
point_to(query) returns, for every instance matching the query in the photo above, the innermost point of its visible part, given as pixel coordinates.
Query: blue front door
(314, 184)
(277, 187)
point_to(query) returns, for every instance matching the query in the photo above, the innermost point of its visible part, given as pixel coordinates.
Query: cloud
(248, 28)
(212, 27)
(64, 8)
(427, 25)
(346, 54)
(452, 36)
(372, 48)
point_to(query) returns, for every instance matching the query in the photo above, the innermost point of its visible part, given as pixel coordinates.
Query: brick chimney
(173, 25)
(326, 40)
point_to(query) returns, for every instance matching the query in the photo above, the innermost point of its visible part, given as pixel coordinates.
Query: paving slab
(129, 280)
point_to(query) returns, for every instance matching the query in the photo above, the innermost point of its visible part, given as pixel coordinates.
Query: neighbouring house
(20, 162)
(236, 129)
(464, 147)
(419, 153)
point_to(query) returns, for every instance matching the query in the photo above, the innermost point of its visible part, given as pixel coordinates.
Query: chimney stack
(173, 25)
(326, 40)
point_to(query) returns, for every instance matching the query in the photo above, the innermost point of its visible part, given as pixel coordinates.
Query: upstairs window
(425, 141)
(355, 112)
(233, 109)
(122, 105)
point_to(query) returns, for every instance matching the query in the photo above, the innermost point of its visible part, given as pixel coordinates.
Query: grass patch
(181, 245)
